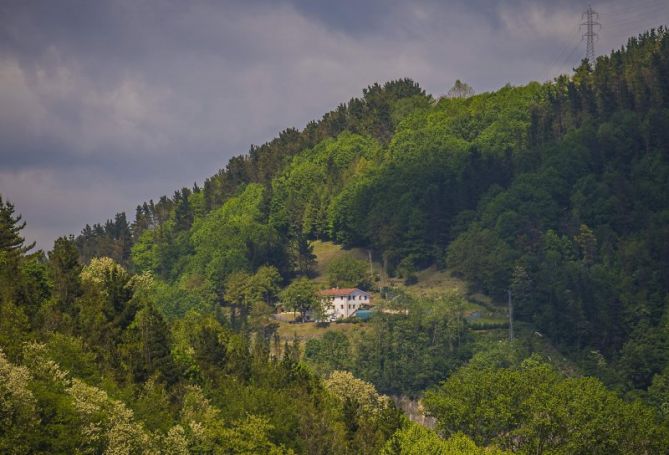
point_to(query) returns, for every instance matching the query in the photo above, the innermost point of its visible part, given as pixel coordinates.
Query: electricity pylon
(592, 26)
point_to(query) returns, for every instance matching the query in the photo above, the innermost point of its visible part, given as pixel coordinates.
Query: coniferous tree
(11, 226)
(64, 269)
(147, 346)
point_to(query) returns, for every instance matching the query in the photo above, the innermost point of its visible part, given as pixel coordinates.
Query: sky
(106, 104)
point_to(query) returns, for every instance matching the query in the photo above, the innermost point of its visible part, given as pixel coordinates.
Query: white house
(343, 303)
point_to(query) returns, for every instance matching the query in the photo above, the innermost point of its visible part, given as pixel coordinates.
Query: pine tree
(14, 324)
(148, 347)
(10, 229)
(64, 269)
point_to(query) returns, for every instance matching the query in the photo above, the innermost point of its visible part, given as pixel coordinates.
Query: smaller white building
(342, 303)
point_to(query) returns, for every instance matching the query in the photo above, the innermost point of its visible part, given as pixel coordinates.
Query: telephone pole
(592, 26)
(371, 268)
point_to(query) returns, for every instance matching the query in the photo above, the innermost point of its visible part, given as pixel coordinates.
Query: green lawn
(307, 330)
(431, 283)
(327, 251)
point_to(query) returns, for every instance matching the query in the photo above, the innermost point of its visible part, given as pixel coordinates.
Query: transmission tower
(590, 16)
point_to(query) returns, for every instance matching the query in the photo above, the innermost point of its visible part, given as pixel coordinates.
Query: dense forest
(156, 336)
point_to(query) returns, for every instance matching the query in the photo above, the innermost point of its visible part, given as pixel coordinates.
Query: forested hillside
(156, 335)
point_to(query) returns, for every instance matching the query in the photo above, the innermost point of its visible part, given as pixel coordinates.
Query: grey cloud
(106, 104)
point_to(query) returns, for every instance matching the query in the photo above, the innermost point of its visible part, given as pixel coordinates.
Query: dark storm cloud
(104, 104)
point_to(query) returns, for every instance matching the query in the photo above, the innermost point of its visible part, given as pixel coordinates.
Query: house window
(342, 307)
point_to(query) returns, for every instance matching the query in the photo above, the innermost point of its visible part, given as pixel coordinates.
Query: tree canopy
(154, 335)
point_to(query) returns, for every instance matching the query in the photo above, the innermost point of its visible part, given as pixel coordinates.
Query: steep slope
(556, 191)
(158, 337)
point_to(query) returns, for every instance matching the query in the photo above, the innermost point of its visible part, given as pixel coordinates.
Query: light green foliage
(197, 338)
(193, 265)
(198, 204)
(558, 191)
(37, 358)
(405, 107)
(439, 164)
(73, 356)
(498, 354)
(244, 289)
(97, 423)
(18, 407)
(99, 270)
(152, 406)
(370, 418)
(348, 272)
(485, 403)
(266, 282)
(302, 193)
(144, 251)
(579, 415)
(207, 433)
(102, 424)
(223, 238)
(175, 442)
(125, 369)
(238, 290)
(190, 292)
(345, 386)
(106, 307)
(253, 294)
(107, 424)
(300, 296)
(532, 409)
(417, 440)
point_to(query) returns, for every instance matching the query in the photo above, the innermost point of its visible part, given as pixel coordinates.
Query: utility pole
(510, 316)
(371, 268)
(590, 16)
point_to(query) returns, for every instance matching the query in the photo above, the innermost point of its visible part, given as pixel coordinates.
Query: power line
(638, 7)
(591, 16)
(638, 17)
(623, 18)
(558, 61)
(571, 53)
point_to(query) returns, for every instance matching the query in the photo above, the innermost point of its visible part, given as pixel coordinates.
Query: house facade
(343, 303)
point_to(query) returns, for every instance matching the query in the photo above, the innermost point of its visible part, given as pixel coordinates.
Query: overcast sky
(106, 104)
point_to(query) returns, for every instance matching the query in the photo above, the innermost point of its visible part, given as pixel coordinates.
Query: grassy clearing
(431, 283)
(327, 251)
(434, 283)
(479, 309)
(309, 330)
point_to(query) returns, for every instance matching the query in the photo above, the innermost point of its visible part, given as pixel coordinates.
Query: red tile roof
(339, 291)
